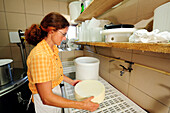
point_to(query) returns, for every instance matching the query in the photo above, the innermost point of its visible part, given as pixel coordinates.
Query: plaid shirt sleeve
(40, 68)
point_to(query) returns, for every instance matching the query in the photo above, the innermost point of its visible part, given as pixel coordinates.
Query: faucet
(129, 69)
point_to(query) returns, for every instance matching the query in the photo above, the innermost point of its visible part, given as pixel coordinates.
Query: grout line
(43, 7)
(15, 12)
(25, 14)
(7, 30)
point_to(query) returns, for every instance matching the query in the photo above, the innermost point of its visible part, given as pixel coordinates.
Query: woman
(45, 71)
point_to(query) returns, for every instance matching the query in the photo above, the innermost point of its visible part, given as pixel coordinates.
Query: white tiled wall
(4, 38)
(5, 52)
(146, 101)
(2, 21)
(33, 19)
(70, 55)
(148, 88)
(16, 6)
(156, 60)
(50, 5)
(21, 14)
(1, 5)
(153, 83)
(34, 7)
(16, 21)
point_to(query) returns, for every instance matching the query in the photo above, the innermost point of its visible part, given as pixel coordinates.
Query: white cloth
(41, 108)
(143, 36)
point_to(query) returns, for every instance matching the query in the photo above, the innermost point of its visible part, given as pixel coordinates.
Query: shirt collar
(48, 49)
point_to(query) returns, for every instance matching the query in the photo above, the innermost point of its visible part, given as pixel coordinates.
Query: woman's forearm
(68, 80)
(58, 101)
(49, 98)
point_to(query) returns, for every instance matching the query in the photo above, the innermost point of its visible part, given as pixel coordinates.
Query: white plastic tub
(75, 10)
(118, 34)
(87, 68)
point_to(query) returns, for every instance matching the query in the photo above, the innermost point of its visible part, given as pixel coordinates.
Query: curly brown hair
(52, 21)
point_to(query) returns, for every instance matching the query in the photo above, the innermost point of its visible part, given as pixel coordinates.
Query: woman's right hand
(89, 105)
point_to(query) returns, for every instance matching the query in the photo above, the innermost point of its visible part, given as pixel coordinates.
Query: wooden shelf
(96, 8)
(153, 47)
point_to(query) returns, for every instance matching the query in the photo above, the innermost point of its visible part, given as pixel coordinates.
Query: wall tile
(104, 51)
(153, 54)
(16, 21)
(96, 55)
(37, 19)
(153, 83)
(87, 53)
(16, 54)
(67, 59)
(105, 75)
(104, 63)
(118, 53)
(33, 7)
(1, 5)
(51, 6)
(4, 38)
(63, 6)
(119, 84)
(78, 53)
(145, 101)
(18, 65)
(152, 61)
(5, 52)
(14, 6)
(2, 20)
(67, 54)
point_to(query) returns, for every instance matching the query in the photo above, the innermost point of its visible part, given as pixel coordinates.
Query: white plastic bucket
(87, 68)
(162, 17)
(75, 9)
(118, 34)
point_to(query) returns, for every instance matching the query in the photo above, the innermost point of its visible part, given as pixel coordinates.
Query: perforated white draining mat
(114, 102)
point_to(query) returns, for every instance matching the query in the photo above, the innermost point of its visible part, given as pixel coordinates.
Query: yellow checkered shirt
(44, 65)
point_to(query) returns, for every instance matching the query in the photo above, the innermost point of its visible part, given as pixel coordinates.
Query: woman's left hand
(74, 82)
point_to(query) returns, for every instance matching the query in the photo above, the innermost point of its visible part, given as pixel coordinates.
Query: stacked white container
(87, 68)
